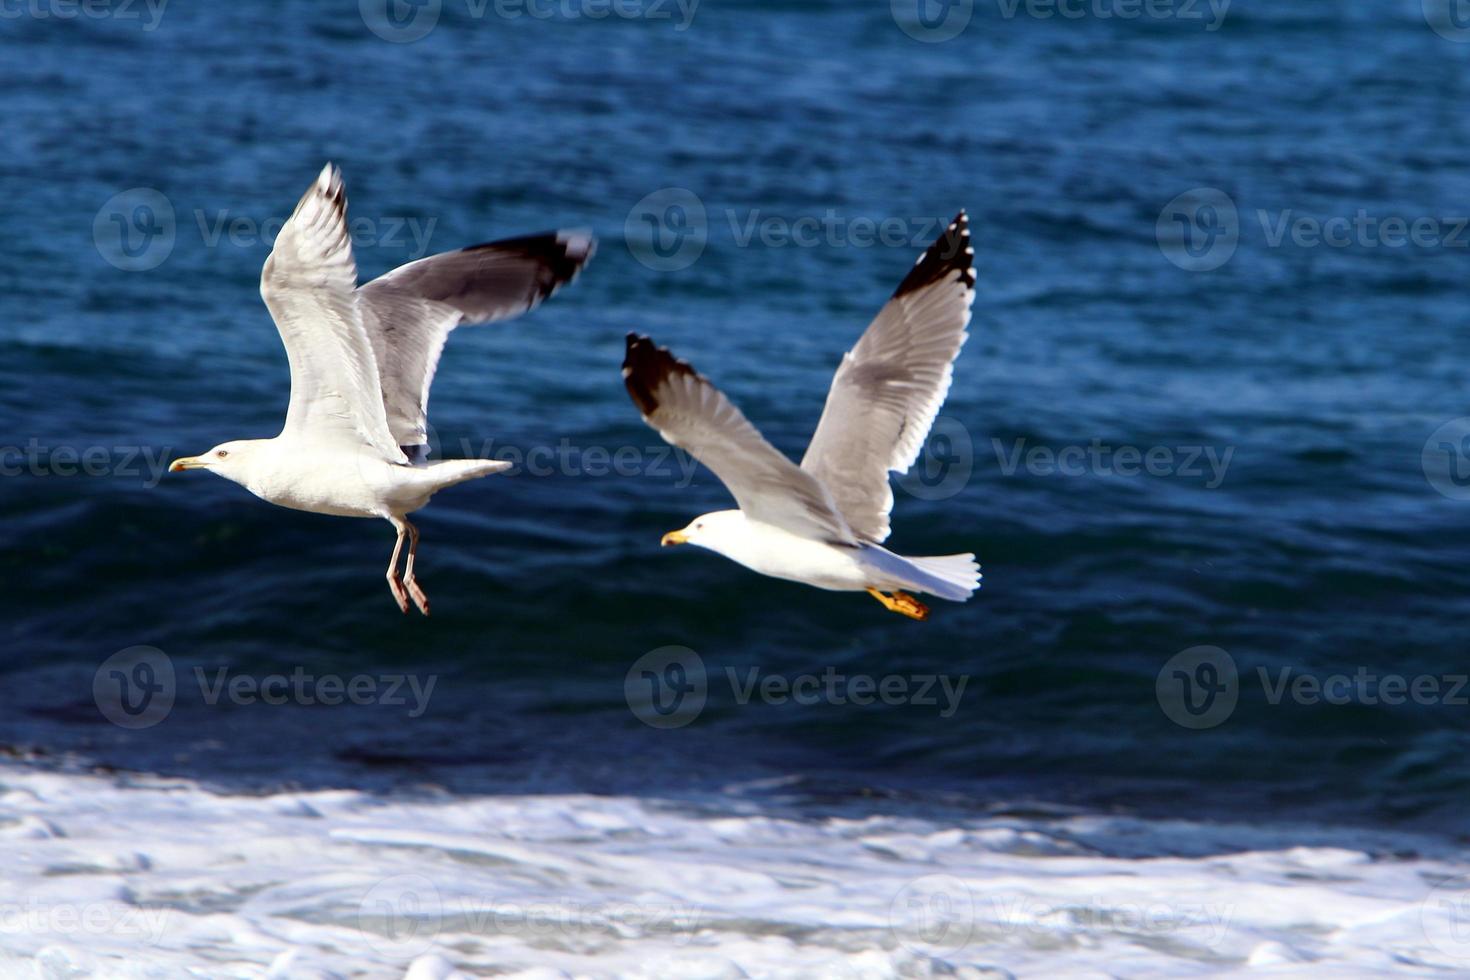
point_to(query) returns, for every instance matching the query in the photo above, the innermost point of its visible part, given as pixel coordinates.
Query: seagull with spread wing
(823, 522)
(362, 359)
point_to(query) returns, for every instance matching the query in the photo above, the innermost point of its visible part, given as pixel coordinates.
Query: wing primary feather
(691, 413)
(889, 387)
(411, 310)
(645, 368)
(309, 284)
(950, 253)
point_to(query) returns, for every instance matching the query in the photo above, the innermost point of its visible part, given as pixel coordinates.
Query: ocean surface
(1208, 440)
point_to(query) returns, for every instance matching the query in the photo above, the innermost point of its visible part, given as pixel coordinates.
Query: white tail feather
(959, 574)
(447, 472)
(951, 577)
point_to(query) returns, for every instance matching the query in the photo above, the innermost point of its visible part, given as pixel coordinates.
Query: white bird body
(776, 552)
(355, 441)
(329, 478)
(823, 523)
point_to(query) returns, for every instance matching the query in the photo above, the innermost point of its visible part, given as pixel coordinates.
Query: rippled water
(1289, 499)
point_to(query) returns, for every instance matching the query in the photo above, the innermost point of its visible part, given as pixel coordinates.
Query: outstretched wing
(890, 386)
(309, 283)
(410, 311)
(694, 415)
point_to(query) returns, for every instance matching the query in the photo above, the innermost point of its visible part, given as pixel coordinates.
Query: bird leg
(395, 584)
(902, 603)
(419, 599)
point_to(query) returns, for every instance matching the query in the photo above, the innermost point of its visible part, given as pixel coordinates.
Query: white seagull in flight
(362, 358)
(823, 522)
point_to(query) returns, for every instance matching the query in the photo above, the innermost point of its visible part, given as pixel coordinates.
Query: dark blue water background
(1322, 369)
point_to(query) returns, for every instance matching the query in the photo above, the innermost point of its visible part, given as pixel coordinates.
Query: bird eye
(222, 453)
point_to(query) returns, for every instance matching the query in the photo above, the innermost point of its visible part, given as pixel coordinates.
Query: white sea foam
(151, 877)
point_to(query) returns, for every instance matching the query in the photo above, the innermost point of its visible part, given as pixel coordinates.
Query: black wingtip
(330, 186)
(646, 367)
(951, 253)
(560, 254)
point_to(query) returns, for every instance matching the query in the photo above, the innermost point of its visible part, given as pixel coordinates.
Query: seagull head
(709, 531)
(228, 459)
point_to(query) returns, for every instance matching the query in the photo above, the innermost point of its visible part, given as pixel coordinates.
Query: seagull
(362, 358)
(823, 522)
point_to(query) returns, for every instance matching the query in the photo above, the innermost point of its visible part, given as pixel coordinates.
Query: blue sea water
(1297, 511)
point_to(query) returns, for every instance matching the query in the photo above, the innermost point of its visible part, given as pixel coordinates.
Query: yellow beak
(674, 537)
(187, 463)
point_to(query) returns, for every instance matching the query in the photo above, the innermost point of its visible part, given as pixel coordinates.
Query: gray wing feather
(694, 415)
(410, 311)
(309, 283)
(890, 386)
